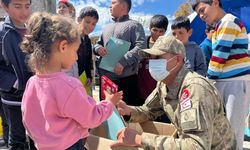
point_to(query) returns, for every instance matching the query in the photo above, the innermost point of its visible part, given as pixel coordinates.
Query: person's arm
(206, 47)
(139, 41)
(196, 123)
(7, 78)
(83, 108)
(196, 118)
(150, 110)
(89, 65)
(99, 44)
(200, 64)
(224, 40)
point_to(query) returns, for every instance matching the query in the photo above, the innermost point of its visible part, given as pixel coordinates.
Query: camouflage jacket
(195, 108)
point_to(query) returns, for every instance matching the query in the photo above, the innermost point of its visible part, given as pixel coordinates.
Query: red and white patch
(185, 104)
(185, 94)
(185, 100)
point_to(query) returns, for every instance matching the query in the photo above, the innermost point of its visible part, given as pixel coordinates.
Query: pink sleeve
(85, 110)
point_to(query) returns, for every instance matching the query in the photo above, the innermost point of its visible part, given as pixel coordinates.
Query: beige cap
(164, 44)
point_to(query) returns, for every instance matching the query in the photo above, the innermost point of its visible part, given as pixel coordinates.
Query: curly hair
(43, 32)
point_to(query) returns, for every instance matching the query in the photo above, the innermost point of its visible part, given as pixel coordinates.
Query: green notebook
(117, 48)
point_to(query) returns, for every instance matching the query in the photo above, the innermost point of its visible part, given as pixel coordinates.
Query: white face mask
(158, 68)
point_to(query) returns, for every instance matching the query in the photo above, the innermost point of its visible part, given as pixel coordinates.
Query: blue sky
(142, 10)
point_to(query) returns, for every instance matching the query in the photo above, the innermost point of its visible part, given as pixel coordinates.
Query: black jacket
(84, 61)
(12, 62)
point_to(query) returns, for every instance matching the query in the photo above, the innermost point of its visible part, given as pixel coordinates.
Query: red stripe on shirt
(218, 60)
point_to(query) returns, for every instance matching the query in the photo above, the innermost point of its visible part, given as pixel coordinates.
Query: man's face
(19, 11)
(116, 8)
(182, 34)
(207, 12)
(87, 24)
(156, 32)
(171, 64)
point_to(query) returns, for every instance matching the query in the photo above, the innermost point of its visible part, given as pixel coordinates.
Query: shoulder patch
(185, 94)
(189, 120)
(185, 104)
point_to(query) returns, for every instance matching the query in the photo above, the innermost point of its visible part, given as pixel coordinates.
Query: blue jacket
(12, 62)
(206, 47)
(195, 59)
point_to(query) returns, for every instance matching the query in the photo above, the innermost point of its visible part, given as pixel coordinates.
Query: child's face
(182, 34)
(69, 55)
(208, 13)
(19, 11)
(63, 9)
(87, 24)
(156, 32)
(116, 8)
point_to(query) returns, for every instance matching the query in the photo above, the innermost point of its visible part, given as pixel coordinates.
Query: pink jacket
(57, 112)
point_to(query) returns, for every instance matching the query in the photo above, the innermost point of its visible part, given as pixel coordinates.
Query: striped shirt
(230, 56)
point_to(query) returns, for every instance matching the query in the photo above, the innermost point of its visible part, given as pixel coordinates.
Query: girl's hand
(114, 98)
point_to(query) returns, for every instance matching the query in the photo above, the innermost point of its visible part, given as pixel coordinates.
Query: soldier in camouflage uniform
(191, 102)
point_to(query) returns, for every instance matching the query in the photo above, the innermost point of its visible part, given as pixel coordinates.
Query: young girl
(65, 8)
(57, 112)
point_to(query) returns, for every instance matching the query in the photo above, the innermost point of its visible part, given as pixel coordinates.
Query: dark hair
(88, 11)
(128, 2)
(7, 2)
(197, 2)
(181, 22)
(159, 21)
(43, 31)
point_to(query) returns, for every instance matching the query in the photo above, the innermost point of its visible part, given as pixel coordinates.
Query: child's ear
(62, 45)
(190, 31)
(216, 3)
(179, 59)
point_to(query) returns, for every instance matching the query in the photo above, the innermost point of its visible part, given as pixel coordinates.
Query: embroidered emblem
(185, 102)
(185, 94)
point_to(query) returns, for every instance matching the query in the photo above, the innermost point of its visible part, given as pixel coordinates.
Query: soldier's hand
(123, 108)
(102, 51)
(127, 137)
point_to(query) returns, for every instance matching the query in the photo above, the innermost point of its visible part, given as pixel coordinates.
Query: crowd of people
(46, 72)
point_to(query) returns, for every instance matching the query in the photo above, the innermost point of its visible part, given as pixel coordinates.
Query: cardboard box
(98, 140)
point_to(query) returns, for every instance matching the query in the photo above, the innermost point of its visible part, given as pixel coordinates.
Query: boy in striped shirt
(230, 63)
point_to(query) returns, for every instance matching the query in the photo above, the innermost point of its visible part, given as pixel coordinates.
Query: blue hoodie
(12, 63)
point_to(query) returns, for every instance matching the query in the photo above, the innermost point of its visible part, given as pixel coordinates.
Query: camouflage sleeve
(150, 110)
(195, 122)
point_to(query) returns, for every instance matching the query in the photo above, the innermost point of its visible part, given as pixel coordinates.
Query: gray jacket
(128, 30)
